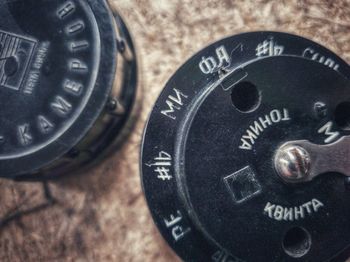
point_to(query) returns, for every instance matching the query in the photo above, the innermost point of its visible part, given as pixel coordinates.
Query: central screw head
(292, 163)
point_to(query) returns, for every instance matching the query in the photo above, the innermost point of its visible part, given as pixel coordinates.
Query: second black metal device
(64, 101)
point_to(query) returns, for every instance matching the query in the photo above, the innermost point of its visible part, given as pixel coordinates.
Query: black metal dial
(209, 148)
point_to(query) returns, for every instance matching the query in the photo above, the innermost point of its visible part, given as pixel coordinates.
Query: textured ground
(102, 216)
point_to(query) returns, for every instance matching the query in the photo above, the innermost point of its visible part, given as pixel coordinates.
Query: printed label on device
(281, 213)
(259, 125)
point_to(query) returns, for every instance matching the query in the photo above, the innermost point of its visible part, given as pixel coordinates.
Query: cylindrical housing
(69, 78)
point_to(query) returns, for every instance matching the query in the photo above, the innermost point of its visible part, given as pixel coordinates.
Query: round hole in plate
(245, 97)
(297, 242)
(342, 115)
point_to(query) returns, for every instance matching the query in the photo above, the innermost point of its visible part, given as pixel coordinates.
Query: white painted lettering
(255, 130)
(177, 230)
(279, 213)
(174, 103)
(327, 130)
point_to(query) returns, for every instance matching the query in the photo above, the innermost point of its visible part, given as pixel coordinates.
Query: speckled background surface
(102, 215)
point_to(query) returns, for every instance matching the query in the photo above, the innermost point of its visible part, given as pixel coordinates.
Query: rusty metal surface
(102, 215)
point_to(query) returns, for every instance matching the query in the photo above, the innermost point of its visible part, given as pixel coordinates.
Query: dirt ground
(102, 215)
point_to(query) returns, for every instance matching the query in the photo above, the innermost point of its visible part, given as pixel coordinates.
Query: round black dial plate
(207, 167)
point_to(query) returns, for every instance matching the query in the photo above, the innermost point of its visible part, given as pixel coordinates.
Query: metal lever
(301, 160)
